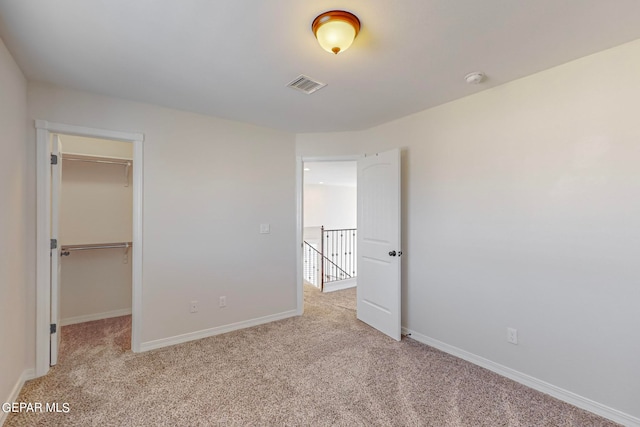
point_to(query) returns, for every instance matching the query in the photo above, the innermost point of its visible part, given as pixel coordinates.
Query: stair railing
(340, 246)
(311, 264)
(319, 268)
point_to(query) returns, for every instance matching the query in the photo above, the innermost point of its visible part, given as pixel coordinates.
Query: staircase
(334, 261)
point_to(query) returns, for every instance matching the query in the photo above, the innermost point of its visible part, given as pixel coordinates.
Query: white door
(56, 181)
(379, 247)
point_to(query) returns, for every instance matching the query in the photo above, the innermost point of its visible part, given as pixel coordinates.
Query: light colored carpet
(323, 368)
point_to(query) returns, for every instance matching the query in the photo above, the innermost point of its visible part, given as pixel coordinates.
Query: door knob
(392, 253)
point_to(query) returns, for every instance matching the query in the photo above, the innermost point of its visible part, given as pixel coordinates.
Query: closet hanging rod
(110, 162)
(67, 248)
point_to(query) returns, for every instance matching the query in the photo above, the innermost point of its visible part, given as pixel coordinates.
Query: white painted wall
(333, 206)
(17, 269)
(95, 284)
(208, 185)
(521, 209)
(96, 147)
(97, 207)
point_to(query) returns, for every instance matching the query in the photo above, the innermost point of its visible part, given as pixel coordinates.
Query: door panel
(379, 242)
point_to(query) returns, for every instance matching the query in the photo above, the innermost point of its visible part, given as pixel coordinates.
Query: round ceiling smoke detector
(474, 78)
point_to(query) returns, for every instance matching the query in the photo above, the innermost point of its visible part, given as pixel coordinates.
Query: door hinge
(54, 243)
(54, 159)
(53, 328)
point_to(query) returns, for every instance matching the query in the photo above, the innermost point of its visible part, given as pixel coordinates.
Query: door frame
(300, 160)
(44, 129)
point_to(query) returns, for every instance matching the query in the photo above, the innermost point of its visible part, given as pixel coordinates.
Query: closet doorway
(93, 215)
(89, 204)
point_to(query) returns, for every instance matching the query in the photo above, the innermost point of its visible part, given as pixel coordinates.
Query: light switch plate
(265, 229)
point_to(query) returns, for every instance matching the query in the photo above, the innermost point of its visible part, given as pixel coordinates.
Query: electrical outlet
(193, 307)
(223, 302)
(512, 336)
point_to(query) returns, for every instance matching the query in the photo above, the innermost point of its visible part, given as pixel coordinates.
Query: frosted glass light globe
(336, 36)
(335, 30)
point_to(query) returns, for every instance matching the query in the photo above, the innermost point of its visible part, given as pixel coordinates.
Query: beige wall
(521, 207)
(95, 284)
(208, 185)
(17, 268)
(96, 147)
(330, 205)
(96, 207)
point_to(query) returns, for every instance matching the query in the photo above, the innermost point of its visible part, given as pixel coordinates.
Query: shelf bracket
(127, 170)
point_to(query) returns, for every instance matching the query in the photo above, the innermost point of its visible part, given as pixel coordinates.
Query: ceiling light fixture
(336, 30)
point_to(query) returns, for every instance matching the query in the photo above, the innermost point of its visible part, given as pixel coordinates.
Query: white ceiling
(233, 58)
(343, 174)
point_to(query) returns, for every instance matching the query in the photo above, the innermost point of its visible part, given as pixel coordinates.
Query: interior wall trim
(535, 383)
(67, 129)
(300, 216)
(44, 130)
(95, 316)
(26, 375)
(205, 333)
(340, 285)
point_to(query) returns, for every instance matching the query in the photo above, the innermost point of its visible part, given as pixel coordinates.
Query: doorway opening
(92, 216)
(379, 247)
(89, 231)
(330, 224)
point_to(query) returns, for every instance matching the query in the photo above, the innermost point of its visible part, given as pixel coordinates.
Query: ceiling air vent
(306, 84)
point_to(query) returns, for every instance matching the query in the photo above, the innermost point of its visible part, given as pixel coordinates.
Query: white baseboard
(95, 316)
(340, 285)
(205, 333)
(27, 374)
(535, 383)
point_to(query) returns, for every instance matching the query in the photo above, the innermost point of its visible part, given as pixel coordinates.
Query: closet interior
(95, 229)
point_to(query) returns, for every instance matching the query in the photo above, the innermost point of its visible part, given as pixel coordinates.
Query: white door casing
(379, 245)
(56, 185)
(44, 298)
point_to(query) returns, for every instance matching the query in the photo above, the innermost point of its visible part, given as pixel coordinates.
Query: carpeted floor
(324, 368)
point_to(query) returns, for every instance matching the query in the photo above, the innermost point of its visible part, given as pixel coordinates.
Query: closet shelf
(78, 157)
(96, 159)
(67, 248)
